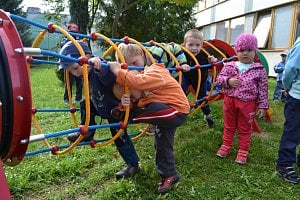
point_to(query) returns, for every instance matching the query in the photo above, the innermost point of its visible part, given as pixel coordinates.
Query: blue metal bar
(55, 110)
(39, 61)
(66, 146)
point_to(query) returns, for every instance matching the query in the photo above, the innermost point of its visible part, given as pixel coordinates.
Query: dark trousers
(202, 93)
(290, 138)
(123, 143)
(79, 84)
(167, 120)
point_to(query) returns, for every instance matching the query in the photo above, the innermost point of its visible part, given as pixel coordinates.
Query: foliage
(144, 20)
(83, 12)
(13, 6)
(88, 173)
(181, 2)
(161, 21)
(79, 14)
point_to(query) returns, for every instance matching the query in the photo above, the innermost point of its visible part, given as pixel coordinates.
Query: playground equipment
(15, 98)
(15, 91)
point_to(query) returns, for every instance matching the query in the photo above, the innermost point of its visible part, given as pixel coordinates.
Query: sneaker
(117, 113)
(223, 151)
(66, 101)
(241, 157)
(167, 184)
(210, 121)
(288, 174)
(276, 101)
(151, 130)
(128, 171)
(73, 136)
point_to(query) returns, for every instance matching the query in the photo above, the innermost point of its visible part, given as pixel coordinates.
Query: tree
(79, 11)
(163, 21)
(13, 6)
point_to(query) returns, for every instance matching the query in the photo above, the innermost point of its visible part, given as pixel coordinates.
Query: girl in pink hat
(246, 88)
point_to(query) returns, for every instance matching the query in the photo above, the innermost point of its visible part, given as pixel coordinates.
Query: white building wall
(233, 8)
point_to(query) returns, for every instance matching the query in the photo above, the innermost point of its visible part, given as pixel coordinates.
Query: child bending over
(163, 103)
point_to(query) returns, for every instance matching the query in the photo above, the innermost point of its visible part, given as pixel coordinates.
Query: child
(290, 138)
(245, 87)
(159, 55)
(279, 68)
(102, 101)
(78, 81)
(193, 41)
(163, 104)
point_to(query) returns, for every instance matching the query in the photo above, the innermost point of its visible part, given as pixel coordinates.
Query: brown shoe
(167, 184)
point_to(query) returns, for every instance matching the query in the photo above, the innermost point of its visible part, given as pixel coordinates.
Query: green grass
(88, 173)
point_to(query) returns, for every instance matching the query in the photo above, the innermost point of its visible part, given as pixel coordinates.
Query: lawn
(88, 173)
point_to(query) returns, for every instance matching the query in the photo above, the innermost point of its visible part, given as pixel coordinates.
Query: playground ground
(87, 173)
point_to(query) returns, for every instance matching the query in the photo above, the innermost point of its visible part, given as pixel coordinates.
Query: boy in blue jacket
(102, 101)
(279, 68)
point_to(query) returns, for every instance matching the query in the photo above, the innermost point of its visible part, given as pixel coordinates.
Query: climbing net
(17, 117)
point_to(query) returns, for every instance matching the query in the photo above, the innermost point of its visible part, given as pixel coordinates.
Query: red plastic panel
(18, 99)
(4, 190)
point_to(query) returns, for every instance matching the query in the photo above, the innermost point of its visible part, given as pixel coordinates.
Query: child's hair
(194, 33)
(246, 41)
(128, 50)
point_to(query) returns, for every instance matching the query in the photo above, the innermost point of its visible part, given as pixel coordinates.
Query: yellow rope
(173, 58)
(86, 91)
(144, 49)
(198, 71)
(213, 81)
(120, 55)
(113, 46)
(35, 44)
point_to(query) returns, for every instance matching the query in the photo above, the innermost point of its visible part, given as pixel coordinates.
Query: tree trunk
(79, 11)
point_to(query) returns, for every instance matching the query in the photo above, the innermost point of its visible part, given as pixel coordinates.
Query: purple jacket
(253, 85)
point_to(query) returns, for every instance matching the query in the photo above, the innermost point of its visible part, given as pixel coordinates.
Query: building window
(282, 27)
(222, 30)
(249, 21)
(209, 32)
(236, 28)
(262, 29)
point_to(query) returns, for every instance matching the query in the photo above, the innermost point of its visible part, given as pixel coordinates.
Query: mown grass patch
(88, 173)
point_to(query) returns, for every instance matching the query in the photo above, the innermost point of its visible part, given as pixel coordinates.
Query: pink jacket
(158, 86)
(253, 85)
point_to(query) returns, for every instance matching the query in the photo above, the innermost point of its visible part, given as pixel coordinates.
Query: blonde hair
(128, 50)
(194, 33)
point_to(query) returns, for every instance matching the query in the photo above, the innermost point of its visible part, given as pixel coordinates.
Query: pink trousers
(238, 115)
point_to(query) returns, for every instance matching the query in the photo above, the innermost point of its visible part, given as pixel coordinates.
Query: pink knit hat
(245, 41)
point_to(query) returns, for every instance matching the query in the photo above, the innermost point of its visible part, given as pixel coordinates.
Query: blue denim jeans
(277, 92)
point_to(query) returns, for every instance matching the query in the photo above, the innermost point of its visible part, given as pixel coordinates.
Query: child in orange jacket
(162, 103)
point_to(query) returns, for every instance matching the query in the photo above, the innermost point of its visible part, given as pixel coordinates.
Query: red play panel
(15, 95)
